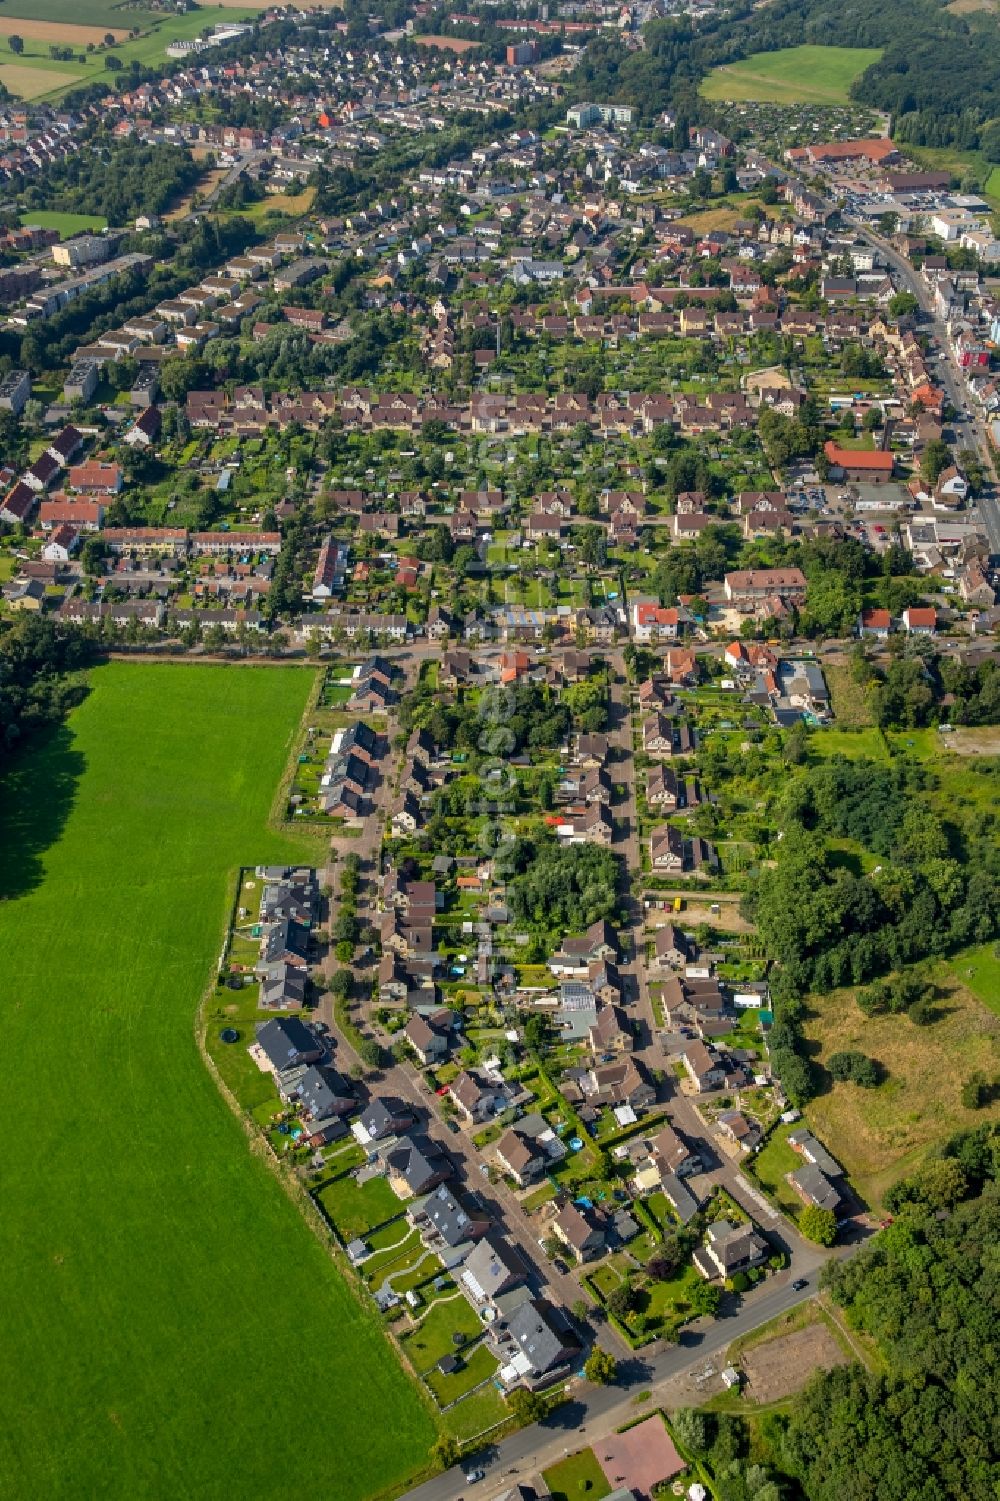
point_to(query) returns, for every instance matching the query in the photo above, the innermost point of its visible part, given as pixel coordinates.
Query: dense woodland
(827, 923)
(40, 678)
(927, 1290)
(119, 181)
(564, 889)
(939, 76)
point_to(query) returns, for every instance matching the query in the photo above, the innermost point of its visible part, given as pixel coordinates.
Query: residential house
(582, 1230)
(384, 1116)
(478, 1096)
(535, 1345)
(430, 1043)
(414, 1166)
(492, 1268)
(285, 1042)
(730, 1248)
(672, 948)
(703, 1068)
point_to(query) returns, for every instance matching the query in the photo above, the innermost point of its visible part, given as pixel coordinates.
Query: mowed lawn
(169, 1326)
(793, 75)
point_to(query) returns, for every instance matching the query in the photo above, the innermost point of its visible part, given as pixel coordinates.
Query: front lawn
(577, 1476)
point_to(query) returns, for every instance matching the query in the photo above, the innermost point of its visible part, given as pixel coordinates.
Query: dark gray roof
(540, 1338)
(324, 1093)
(285, 1040)
(447, 1216)
(381, 1117)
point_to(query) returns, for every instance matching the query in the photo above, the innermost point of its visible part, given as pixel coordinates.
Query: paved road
(973, 433)
(593, 1412)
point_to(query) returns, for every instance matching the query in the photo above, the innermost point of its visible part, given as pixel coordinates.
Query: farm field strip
(150, 1257)
(57, 31)
(792, 75)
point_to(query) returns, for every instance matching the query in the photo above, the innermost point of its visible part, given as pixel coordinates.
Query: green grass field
(170, 1326)
(978, 970)
(794, 75)
(67, 224)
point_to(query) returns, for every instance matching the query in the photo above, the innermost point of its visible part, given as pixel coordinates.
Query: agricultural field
(25, 81)
(793, 75)
(59, 31)
(78, 13)
(133, 1205)
(33, 74)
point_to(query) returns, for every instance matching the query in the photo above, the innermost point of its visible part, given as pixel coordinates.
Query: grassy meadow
(170, 1326)
(67, 224)
(793, 75)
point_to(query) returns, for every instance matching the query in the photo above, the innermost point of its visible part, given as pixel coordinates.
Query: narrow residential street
(591, 1411)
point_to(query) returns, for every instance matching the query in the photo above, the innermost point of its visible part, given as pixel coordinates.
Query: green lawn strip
(578, 1475)
(792, 75)
(67, 224)
(772, 1162)
(79, 13)
(132, 1203)
(477, 1413)
(423, 1268)
(433, 1337)
(355, 1208)
(479, 1367)
(397, 1259)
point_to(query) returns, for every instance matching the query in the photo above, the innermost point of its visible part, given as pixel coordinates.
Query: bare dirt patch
(727, 919)
(30, 83)
(969, 742)
(782, 1366)
(58, 31)
(447, 43)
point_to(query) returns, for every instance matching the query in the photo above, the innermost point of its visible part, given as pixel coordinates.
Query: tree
(935, 457)
(112, 63)
(902, 304)
(446, 1452)
(818, 1225)
(527, 1407)
(976, 1092)
(621, 1300)
(370, 1053)
(694, 1429)
(340, 984)
(600, 1367)
(855, 1067)
(16, 44)
(705, 1298)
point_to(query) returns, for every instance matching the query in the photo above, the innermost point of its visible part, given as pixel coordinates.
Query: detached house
(430, 1044)
(703, 1068)
(581, 1230)
(730, 1248)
